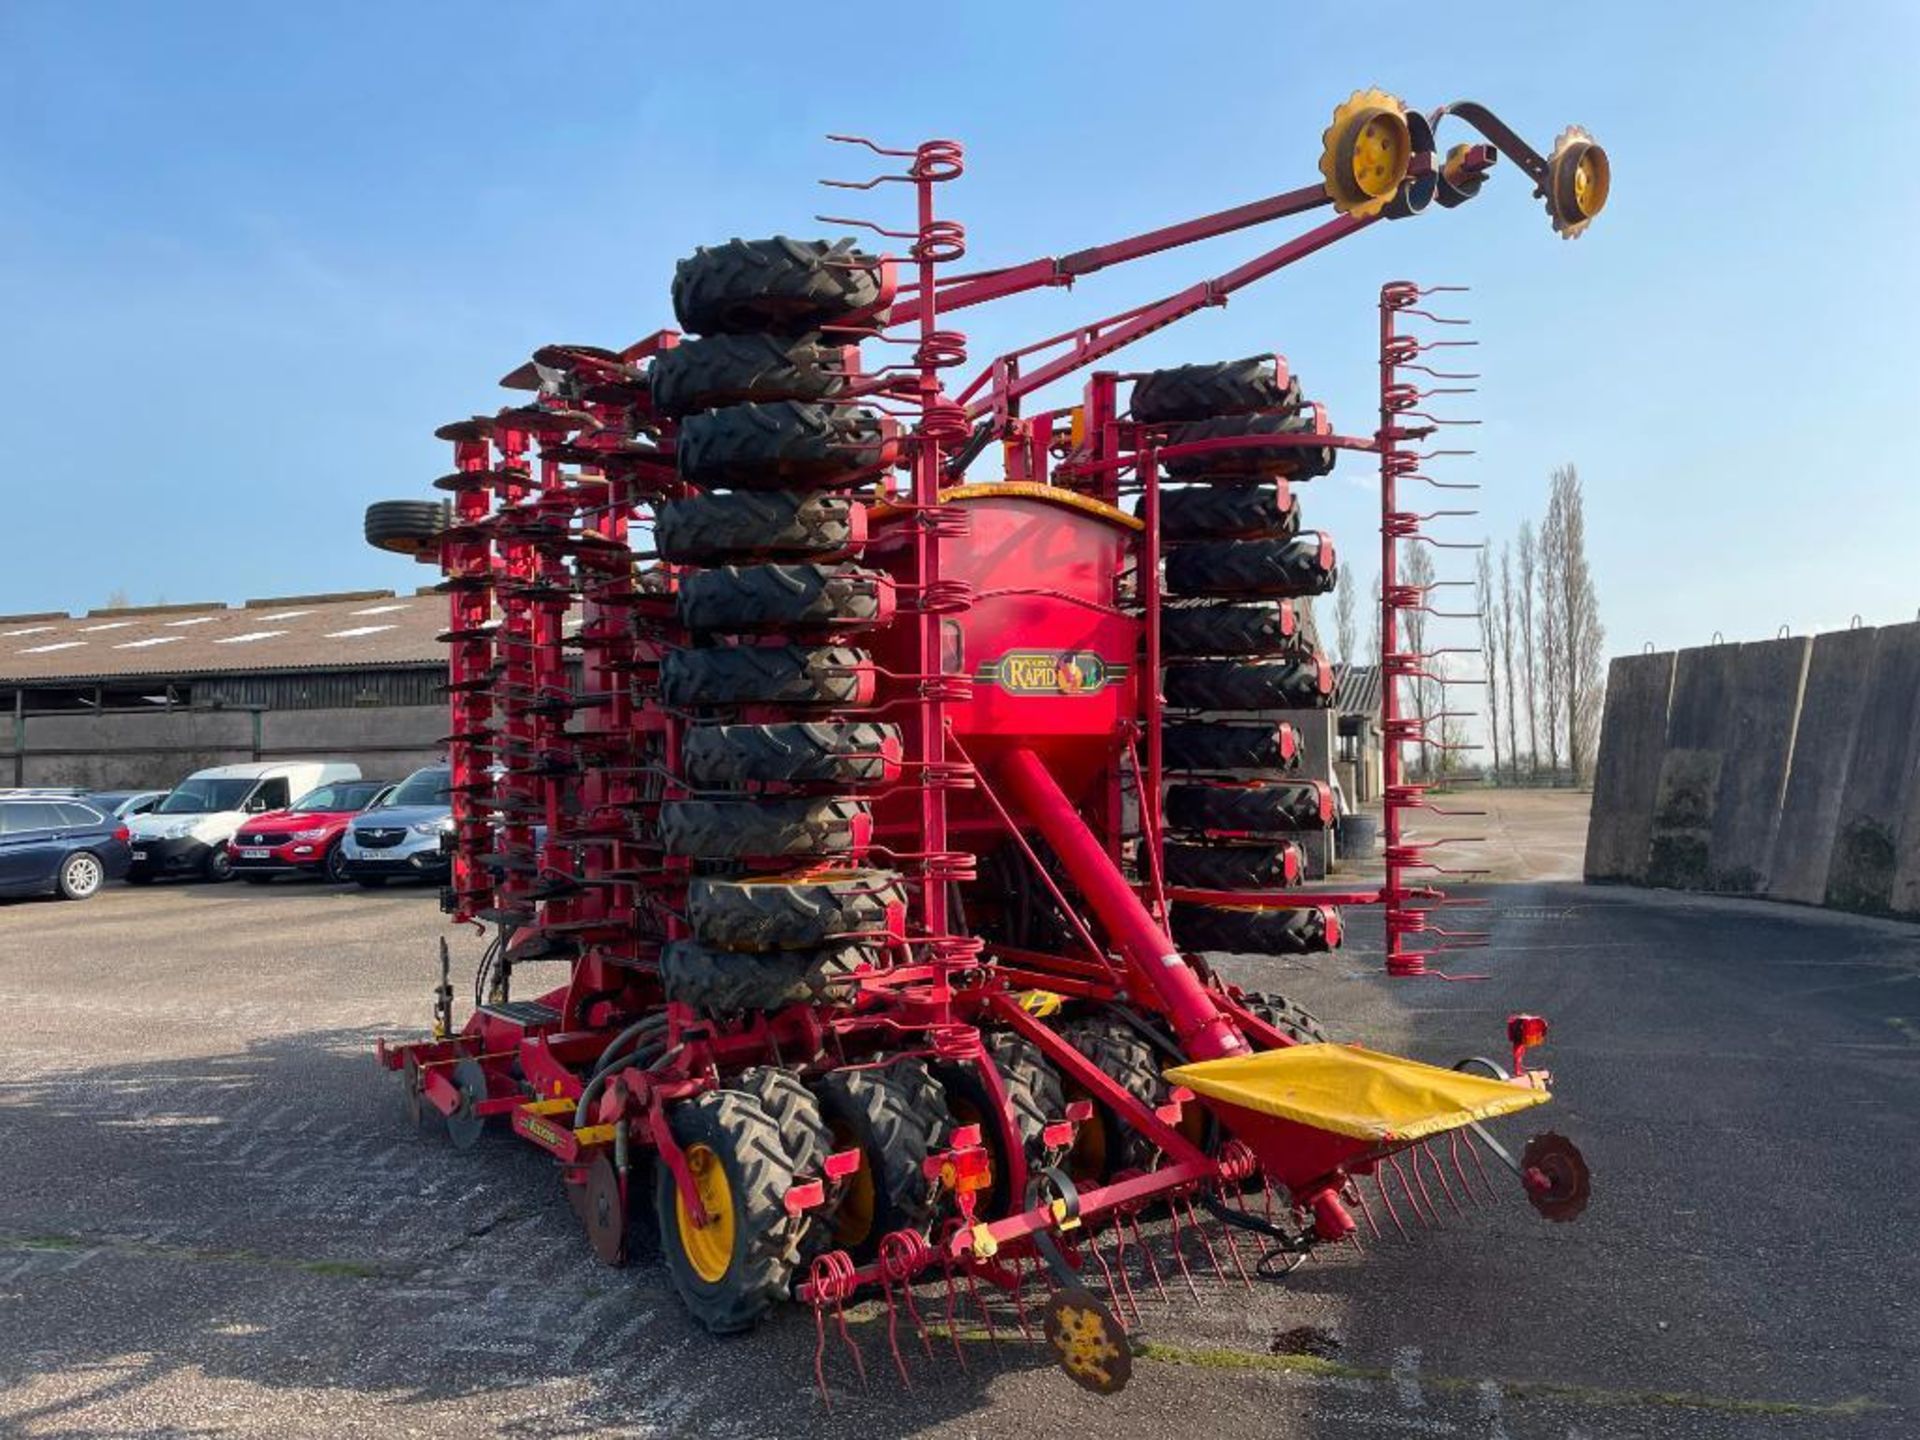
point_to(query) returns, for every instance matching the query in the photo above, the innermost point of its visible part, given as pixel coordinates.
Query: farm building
(139, 696)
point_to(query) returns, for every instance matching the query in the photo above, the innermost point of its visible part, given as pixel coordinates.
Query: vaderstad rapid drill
(868, 807)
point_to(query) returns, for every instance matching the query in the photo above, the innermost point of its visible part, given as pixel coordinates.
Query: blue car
(64, 847)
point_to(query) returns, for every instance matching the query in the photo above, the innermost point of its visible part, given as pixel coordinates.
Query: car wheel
(81, 875)
(334, 868)
(219, 865)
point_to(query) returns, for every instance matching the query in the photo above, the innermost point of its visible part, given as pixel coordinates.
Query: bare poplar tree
(1581, 635)
(1529, 642)
(1551, 619)
(1344, 636)
(1506, 654)
(1485, 603)
(1417, 570)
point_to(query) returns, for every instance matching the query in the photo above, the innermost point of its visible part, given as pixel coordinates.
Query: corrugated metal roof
(1356, 689)
(313, 632)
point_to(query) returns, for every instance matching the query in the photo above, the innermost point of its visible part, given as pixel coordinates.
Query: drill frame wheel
(731, 527)
(781, 284)
(788, 912)
(712, 981)
(895, 1116)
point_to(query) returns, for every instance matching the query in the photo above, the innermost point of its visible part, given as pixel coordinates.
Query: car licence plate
(256, 854)
(139, 854)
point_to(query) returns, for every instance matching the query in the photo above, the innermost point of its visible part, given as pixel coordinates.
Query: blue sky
(251, 255)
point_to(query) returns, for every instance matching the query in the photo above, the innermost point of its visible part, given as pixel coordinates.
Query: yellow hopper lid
(1354, 1092)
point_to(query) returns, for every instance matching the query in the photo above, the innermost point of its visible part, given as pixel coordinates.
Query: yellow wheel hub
(1366, 152)
(1579, 180)
(708, 1247)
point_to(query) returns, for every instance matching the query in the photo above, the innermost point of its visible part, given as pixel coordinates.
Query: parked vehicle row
(256, 821)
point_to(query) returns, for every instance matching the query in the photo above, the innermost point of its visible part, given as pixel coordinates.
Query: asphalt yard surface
(214, 1220)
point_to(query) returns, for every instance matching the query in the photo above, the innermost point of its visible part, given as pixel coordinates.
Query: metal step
(527, 1014)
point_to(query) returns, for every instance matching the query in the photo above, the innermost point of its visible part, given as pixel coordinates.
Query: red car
(305, 838)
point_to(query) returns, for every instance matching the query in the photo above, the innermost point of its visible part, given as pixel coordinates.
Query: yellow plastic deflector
(1354, 1092)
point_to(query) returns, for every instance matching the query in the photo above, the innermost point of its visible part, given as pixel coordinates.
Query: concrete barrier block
(1689, 777)
(1760, 712)
(1838, 667)
(1873, 824)
(1626, 774)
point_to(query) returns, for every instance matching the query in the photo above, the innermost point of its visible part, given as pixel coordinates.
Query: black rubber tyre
(764, 674)
(1262, 808)
(1211, 745)
(784, 597)
(749, 525)
(1236, 931)
(784, 285)
(1223, 387)
(1107, 1145)
(1268, 627)
(80, 876)
(1242, 569)
(828, 752)
(732, 829)
(1248, 510)
(895, 1115)
(218, 866)
(795, 1110)
(1299, 460)
(730, 1129)
(333, 870)
(787, 913)
(1233, 867)
(407, 527)
(733, 982)
(1295, 1021)
(1035, 1096)
(1250, 684)
(785, 445)
(728, 369)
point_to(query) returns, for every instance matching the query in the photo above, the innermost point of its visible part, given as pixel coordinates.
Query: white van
(187, 833)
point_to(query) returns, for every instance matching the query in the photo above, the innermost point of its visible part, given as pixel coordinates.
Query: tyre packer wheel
(782, 285)
(1253, 683)
(753, 598)
(1246, 930)
(1035, 1095)
(788, 912)
(734, 982)
(895, 1116)
(1220, 387)
(729, 369)
(733, 829)
(735, 526)
(829, 752)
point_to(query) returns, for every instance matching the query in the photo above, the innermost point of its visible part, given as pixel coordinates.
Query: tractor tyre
(895, 1116)
(407, 527)
(1209, 745)
(1233, 867)
(1253, 459)
(735, 1269)
(1294, 1021)
(1224, 387)
(1304, 684)
(1261, 808)
(783, 285)
(1106, 1144)
(737, 982)
(784, 597)
(748, 525)
(790, 912)
(1242, 569)
(732, 829)
(1259, 628)
(795, 1112)
(1246, 510)
(1035, 1096)
(767, 675)
(827, 752)
(728, 369)
(784, 445)
(1237, 930)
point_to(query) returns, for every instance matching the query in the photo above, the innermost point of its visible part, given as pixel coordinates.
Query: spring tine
(1113, 1293)
(1233, 1249)
(1360, 1194)
(1120, 1267)
(1019, 1299)
(953, 1319)
(986, 1311)
(1426, 1149)
(1481, 1166)
(820, 1353)
(1153, 1264)
(1386, 1198)
(1206, 1242)
(893, 1331)
(1422, 1203)
(1180, 1253)
(846, 1337)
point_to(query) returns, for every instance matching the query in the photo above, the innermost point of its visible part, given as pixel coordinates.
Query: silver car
(400, 840)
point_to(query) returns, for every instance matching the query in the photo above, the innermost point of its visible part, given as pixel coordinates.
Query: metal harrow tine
(1179, 1254)
(832, 1282)
(1426, 1148)
(1113, 1291)
(1386, 1198)
(1153, 1264)
(1206, 1243)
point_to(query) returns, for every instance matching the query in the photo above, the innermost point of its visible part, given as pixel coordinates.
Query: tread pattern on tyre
(1232, 931)
(1259, 628)
(782, 284)
(1249, 684)
(746, 525)
(1221, 387)
(796, 1111)
(733, 1124)
(733, 829)
(793, 912)
(902, 1107)
(834, 752)
(1124, 1057)
(1233, 867)
(1245, 510)
(1252, 460)
(406, 527)
(836, 675)
(784, 596)
(1301, 565)
(783, 445)
(1268, 808)
(1294, 1021)
(728, 369)
(1213, 745)
(734, 982)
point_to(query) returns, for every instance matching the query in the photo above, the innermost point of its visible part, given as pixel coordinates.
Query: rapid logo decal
(1051, 672)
